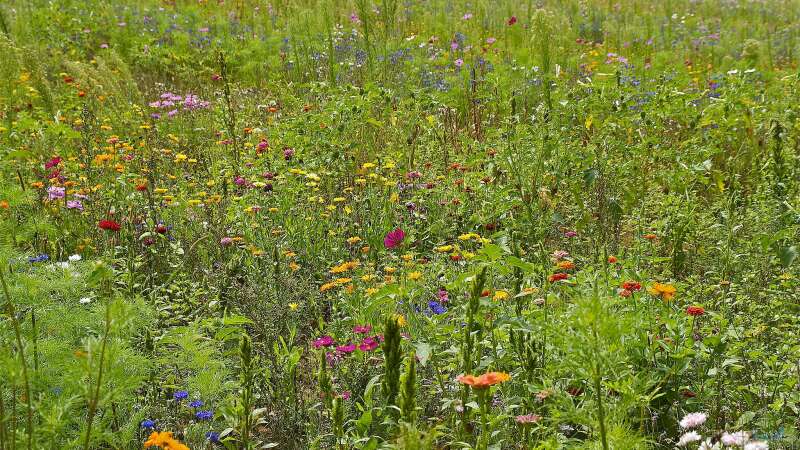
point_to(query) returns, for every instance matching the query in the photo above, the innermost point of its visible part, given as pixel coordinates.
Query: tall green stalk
(12, 316)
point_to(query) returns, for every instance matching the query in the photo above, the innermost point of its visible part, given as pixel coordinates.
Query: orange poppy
(485, 380)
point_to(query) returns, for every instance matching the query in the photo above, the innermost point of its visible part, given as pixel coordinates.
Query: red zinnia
(109, 225)
(558, 277)
(695, 311)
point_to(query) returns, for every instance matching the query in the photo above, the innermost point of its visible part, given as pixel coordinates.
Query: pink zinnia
(394, 238)
(324, 341)
(368, 344)
(362, 329)
(349, 348)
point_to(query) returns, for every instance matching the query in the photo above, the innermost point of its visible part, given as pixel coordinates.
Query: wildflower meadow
(399, 224)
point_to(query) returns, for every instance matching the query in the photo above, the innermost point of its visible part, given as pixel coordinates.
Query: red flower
(695, 311)
(612, 259)
(109, 225)
(512, 20)
(558, 277)
(631, 286)
(625, 293)
(141, 187)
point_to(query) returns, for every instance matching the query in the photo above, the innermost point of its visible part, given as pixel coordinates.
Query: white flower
(756, 445)
(707, 445)
(75, 258)
(691, 436)
(693, 420)
(738, 438)
(85, 300)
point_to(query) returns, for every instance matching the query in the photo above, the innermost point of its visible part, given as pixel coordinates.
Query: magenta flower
(368, 344)
(459, 62)
(349, 348)
(362, 329)
(226, 241)
(324, 341)
(394, 238)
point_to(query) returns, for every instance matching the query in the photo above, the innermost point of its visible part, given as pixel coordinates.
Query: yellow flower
(390, 270)
(293, 306)
(345, 267)
(444, 248)
(180, 157)
(664, 291)
(353, 240)
(294, 266)
(407, 257)
(371, 291)
(468, 236)
(368, 277)
(414, 276)
(500, 295)
(327, 287)
(401, 320)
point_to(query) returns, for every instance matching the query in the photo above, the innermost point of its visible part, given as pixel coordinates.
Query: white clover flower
(756, 445)
(85, 300)
(693, 420)
(75, 258)
(687, 438)
(737, 439)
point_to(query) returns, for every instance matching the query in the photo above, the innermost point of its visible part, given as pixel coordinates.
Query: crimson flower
(109, 225)
(695, 311)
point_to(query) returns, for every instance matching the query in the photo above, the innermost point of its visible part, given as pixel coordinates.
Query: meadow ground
(416, 224)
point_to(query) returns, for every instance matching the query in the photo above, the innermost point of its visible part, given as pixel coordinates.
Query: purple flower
(75, 204)
(467, 16)
(196, 403)
(324, 341)
(226, 241)
(459, 62)
(181, 395)
(491, 40)
(55, 192)
(288, 153)
(570, 234)
(147, 423)
(394, 238)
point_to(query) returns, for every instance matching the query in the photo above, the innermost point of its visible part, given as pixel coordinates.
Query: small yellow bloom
(293, 306)
(500, 296)
(414, 276)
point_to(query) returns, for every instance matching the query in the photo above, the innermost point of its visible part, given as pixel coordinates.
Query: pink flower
(349, 348)
(345, 395)
(467, 16)
(226, 241)
(394, 238)
(324, 341)
(362, 329)
(368, 344)
(55, 192)
(56, 160)
(75, 204)
(459, 62)
(491, 40)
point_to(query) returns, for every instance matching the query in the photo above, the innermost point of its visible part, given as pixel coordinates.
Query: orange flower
(164, 440)
(566, 265)
(664, 291)
(650, 236)
(485, 380)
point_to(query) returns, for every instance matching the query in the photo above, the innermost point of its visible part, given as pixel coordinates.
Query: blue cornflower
(212, 437)
(180, 395)
(41, 258)
(204, 415)
(148, 423)
(436, 307)
(196, 403)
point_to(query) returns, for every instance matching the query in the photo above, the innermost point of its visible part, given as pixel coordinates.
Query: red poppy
(109, 225)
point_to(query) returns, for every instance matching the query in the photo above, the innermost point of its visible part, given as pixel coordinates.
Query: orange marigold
(164, 440)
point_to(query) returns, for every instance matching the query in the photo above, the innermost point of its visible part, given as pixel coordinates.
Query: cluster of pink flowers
(173, 102)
